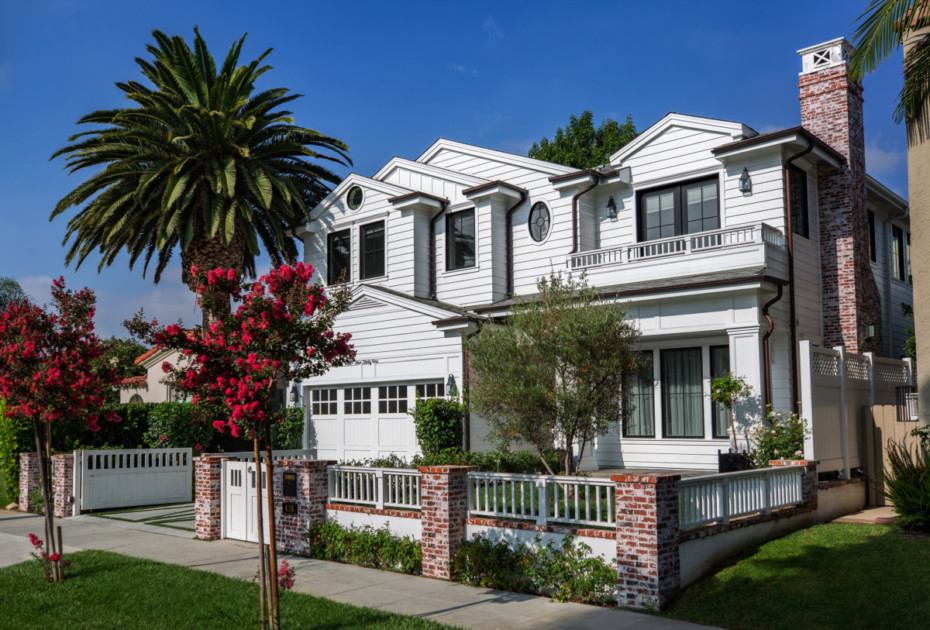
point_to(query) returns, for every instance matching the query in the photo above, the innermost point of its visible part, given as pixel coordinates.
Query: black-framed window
(431, 390)
(392, 399)
(339, 257)
(899, 256)
(685, 208)
(797, 181)
(324, 402)
(538, 221)
(719, 367)
(682, 393)
(371, 250)
(640, 401)
(873, 255)
(460, 240)
(356, 400)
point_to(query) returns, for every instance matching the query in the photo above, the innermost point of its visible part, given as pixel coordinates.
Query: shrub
(171, 426)
(15, 437)
(365, 546)
(438, 424)
(907, 483)
(565, 572)
(288, 435)
(779, 435)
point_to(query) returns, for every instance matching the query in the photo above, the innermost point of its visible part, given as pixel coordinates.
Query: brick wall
(648, 564)
(208, 485)
(831, 108)
(29, 480)
(310, 501)
(443, 509)
(63, 484)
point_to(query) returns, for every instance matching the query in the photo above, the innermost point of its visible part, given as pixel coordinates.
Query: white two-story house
(728, 247)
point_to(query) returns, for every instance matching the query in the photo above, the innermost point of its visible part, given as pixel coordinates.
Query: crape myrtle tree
(551, 373)
(50, 373)
(280, 329)
(201, 162)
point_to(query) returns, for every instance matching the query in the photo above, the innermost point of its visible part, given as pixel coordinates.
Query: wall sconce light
(745, 182)
(295, 396)
(450, 386)
(611, 208)
(870, 331)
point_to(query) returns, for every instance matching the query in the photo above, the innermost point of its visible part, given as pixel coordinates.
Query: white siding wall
(432, 184)
(675, 152)
(808, 291)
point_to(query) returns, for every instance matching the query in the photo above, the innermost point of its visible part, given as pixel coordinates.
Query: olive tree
(551, 372)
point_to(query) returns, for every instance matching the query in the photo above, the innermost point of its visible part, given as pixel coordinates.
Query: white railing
(378, 487)
(249, 456)
(543, 499)
(719, 498)
(679, 245)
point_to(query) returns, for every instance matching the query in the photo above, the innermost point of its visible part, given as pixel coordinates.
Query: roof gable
(354, 179)
(733, 130)
(541, 166)
(398, 163)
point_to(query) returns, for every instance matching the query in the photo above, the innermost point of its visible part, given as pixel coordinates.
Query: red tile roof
(134, 381)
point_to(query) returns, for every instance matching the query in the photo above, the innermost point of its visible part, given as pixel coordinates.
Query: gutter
(789, 242)
(766, 354)
(509, 237)
(432, 248)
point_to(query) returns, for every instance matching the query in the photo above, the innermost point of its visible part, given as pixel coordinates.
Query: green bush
(524, 462)
(15, 437)
(288, 435)
(171, 426)
(365, 546)
(438, 424)
(565, 572)
(779, 435)
(907, 483)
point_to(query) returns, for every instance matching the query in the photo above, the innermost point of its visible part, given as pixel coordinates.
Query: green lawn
(108, 590)
(828, 576)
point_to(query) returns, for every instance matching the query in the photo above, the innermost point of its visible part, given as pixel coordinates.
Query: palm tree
(201, 161)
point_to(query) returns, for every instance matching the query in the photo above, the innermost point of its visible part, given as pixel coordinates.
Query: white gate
(131, 477)
(239, 514)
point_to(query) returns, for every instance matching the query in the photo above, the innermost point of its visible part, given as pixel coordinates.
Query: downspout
(509, 215)
(575, 214)
(789, 242)
(432, 250)
(765, 343)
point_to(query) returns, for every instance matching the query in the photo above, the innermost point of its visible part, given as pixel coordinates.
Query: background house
(729, 248)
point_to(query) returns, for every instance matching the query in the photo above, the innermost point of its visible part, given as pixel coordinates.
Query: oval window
(355, 197)
(539, 221)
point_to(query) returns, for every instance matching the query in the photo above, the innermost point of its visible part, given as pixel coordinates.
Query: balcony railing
(679, 245)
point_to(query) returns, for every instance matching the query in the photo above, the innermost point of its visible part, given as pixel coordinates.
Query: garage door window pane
(324, 402)
(392, 399)
(357, 400)
(431, 390)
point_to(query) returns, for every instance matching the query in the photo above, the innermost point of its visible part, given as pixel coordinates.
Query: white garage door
(366, 421)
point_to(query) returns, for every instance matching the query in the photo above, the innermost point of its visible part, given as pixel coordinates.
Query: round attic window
(355, 197)
(539, 221)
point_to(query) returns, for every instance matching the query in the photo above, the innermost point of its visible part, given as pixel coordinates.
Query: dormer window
(339, 257)
(371, 239)
(460, 240)
(681, 209)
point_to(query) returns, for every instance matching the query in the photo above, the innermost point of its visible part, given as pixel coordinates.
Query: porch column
(208, 489)
(63, 484)
(29, 480)
(746, 360)
(648, 562)
(302, 503)
(443, 509)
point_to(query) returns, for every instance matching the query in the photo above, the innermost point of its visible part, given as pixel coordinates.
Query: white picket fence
(719, 498)
(131, 477)
(377, 487)
(544, 499)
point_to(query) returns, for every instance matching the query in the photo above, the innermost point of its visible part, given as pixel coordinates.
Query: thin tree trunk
(732, 430)
(272, 531)
(262, 568)
(42, 452)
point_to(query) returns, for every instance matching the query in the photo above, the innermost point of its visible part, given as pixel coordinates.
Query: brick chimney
(831, 109)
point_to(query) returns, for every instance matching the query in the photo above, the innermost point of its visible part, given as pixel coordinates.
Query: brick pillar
(208, 486)
(29, 480)
(63, 484)
(443, 509)
(809, 484)
(831, 109)
(310, 502)
(648, 564)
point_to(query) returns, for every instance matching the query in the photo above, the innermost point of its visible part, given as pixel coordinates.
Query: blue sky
(389, 78)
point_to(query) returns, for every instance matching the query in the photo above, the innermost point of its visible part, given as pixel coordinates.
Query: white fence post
(723, 499)
(841, 368)
(542, 493)
(807, 395)
(379, 489)
(76, 483)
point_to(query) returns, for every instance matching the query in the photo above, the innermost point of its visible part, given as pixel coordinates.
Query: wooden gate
(880, 424)
(239, 514)
(132, 477)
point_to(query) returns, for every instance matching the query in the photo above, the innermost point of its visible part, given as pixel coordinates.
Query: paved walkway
(870, 516)
(409, 595)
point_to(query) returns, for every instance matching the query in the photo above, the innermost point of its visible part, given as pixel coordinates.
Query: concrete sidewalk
(440, 601)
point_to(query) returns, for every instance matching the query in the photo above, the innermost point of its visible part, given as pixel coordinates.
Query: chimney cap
(825, 55)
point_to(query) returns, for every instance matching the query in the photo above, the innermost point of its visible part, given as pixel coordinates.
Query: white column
(746, 361)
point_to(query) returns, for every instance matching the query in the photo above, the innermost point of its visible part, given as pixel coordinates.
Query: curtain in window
(640, 420)
(682, 393)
